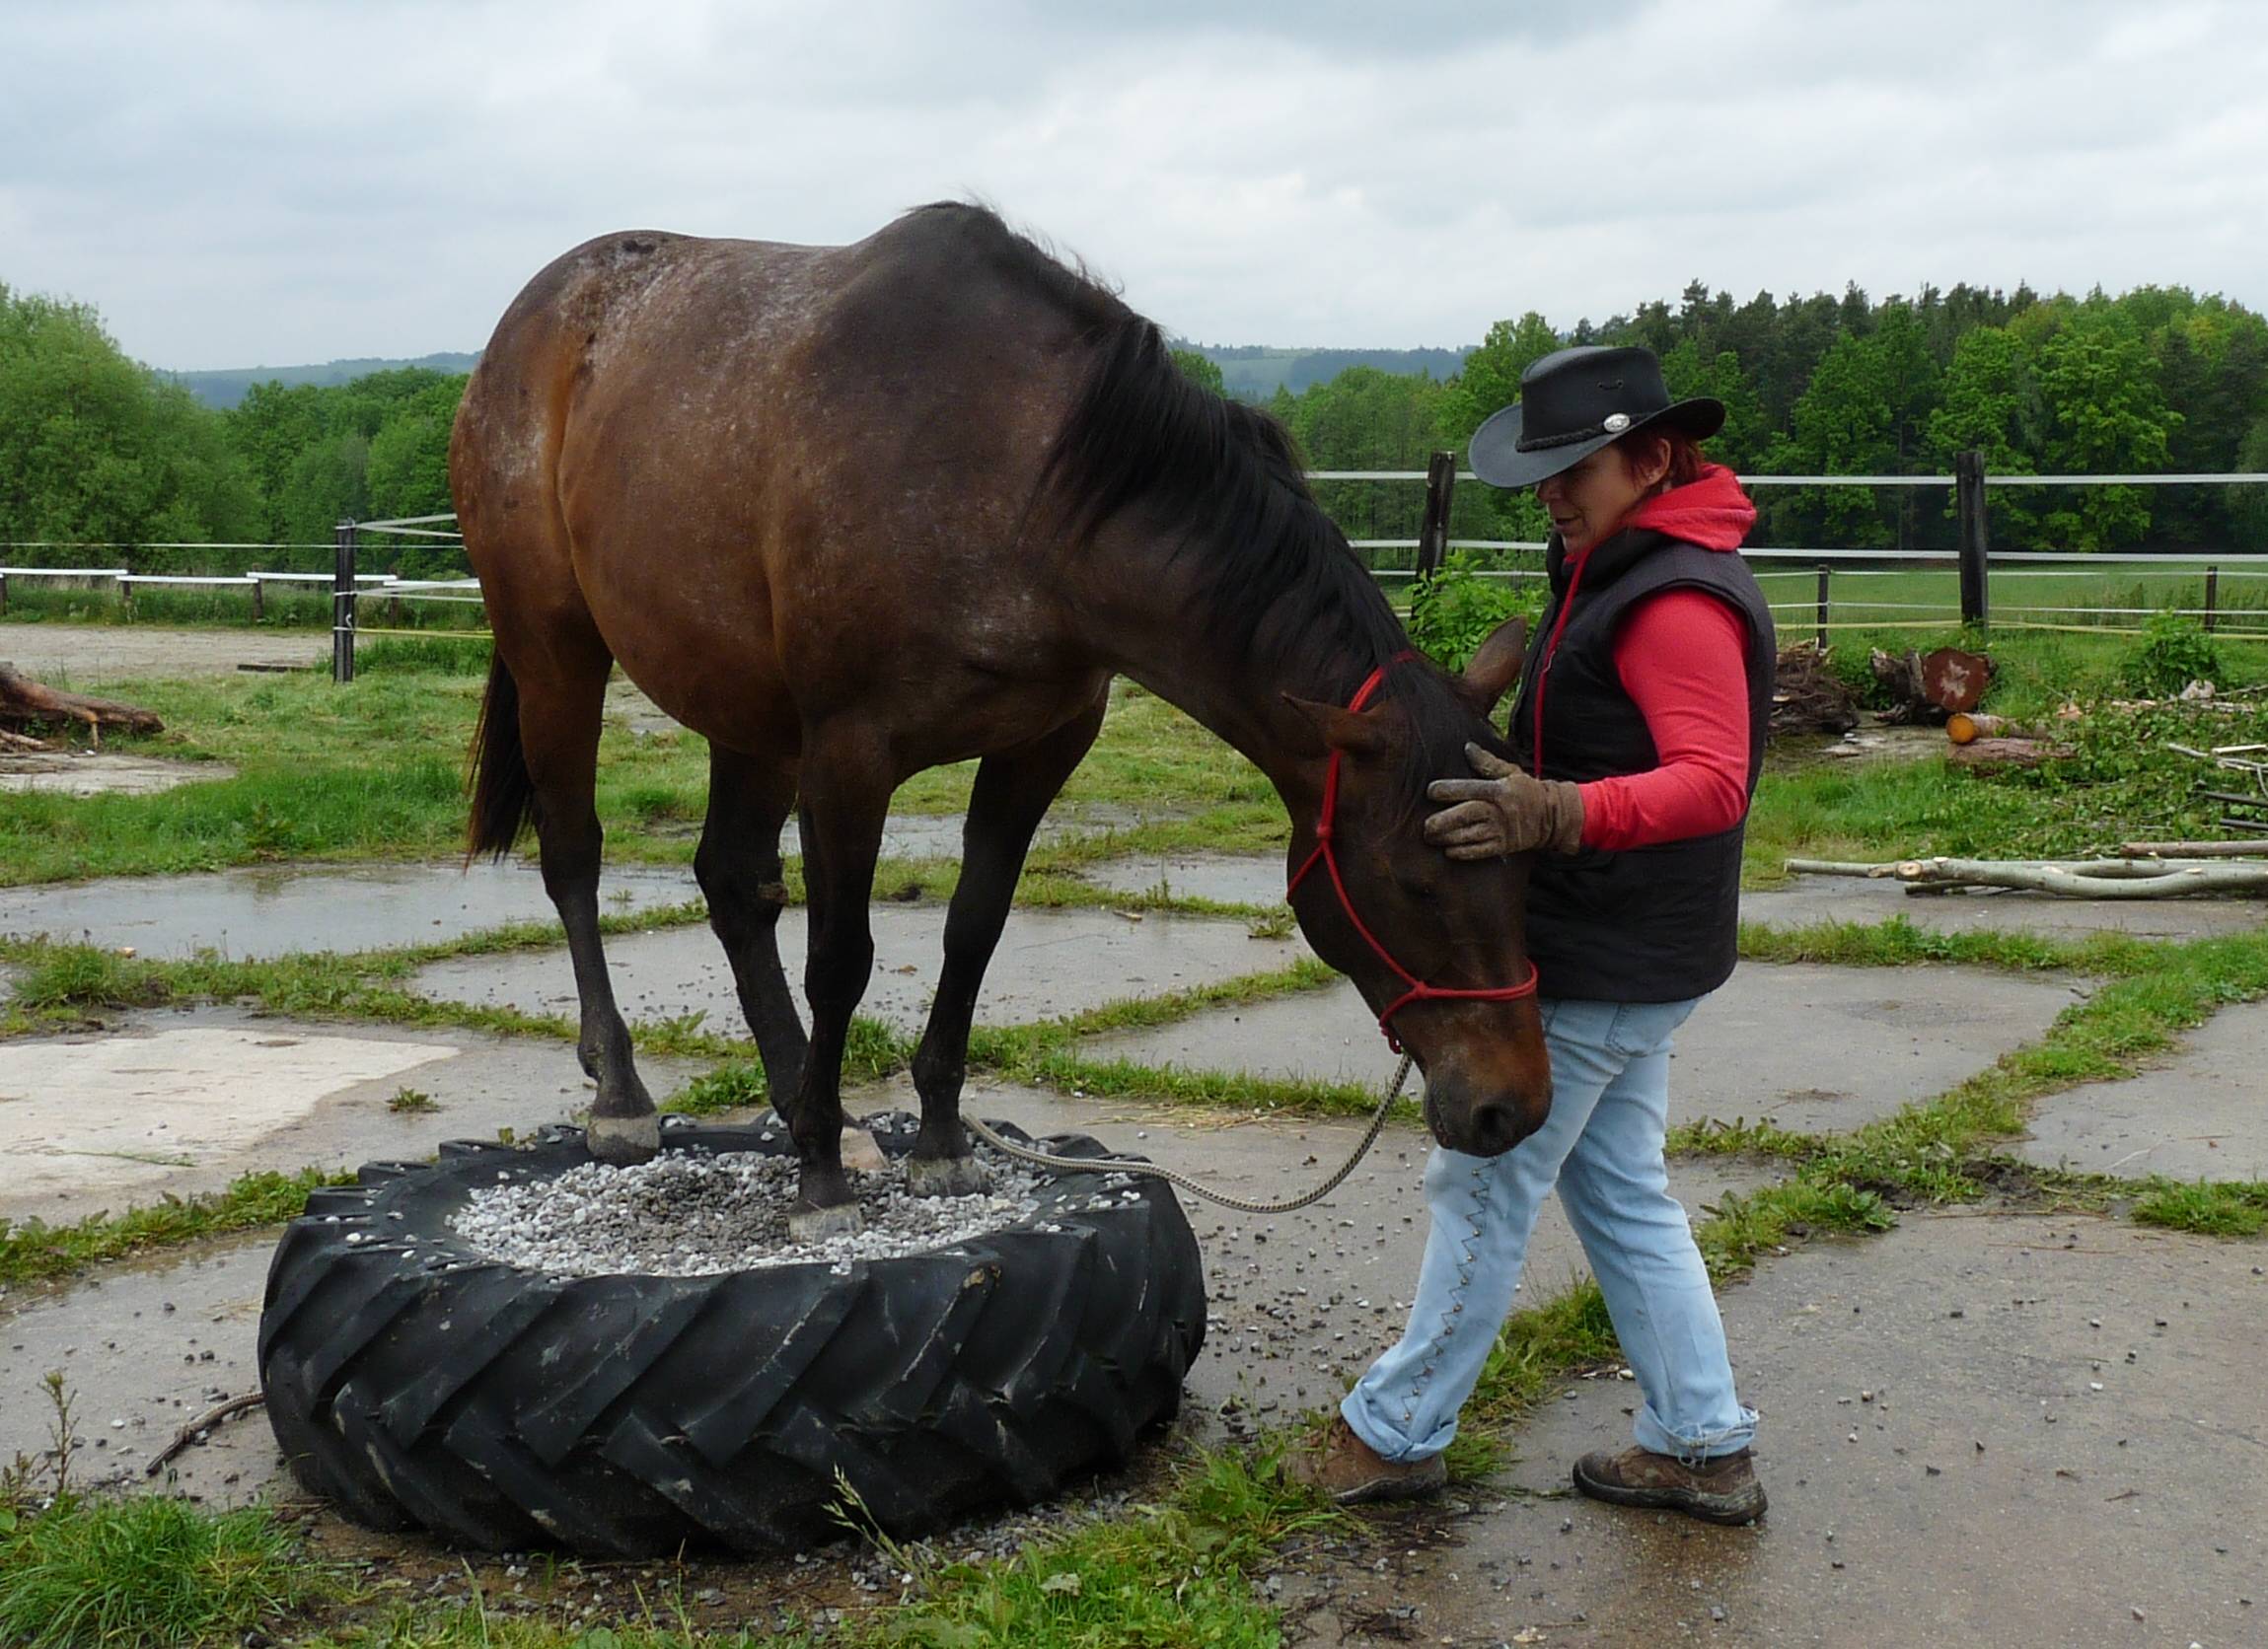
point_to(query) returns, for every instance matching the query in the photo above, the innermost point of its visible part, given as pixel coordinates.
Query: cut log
(1807, 696)
(1928, 689)
(2072, 879)
(2193, 849)
(25, 702)
(1997, 756)
(1953, 679)
(1966, 727)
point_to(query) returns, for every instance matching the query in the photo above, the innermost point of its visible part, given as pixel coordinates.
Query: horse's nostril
(1496, 1128)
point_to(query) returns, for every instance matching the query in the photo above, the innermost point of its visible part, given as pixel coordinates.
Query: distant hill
(1252, 371)
(227, 386)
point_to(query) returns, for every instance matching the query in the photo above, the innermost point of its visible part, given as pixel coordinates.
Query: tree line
(96, 450)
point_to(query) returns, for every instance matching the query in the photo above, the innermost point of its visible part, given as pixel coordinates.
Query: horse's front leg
(1012, 791)
(846, 786)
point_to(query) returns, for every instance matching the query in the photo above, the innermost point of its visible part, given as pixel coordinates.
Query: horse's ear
(1496, 666)
(1357, 732)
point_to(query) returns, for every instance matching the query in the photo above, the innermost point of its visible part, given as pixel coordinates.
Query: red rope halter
(1420, 991)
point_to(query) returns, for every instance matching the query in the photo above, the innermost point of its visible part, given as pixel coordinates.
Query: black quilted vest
(1651, 924)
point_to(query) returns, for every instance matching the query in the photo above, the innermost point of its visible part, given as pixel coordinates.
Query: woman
(1640, 732)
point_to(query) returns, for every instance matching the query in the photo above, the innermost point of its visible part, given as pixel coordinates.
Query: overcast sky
(234, 184)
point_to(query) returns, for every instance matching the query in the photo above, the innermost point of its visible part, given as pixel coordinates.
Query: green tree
(1990, 403)
(2105, 415)
(97, 449)
(1201, 368)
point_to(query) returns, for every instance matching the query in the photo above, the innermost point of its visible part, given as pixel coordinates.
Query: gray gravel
(690, 1214)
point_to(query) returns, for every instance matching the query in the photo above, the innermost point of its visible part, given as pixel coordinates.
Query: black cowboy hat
(1572, 402)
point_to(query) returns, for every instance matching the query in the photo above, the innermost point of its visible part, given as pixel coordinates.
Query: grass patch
(34, 1250)
(146, 1571)
(2206, 1208)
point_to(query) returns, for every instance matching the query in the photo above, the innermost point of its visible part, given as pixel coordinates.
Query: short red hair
(1681, 451)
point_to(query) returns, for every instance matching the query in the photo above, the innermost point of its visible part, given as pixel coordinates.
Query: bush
(1452, 610)
(2174, 652)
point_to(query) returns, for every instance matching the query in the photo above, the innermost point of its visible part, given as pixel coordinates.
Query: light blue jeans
(1602, 1146)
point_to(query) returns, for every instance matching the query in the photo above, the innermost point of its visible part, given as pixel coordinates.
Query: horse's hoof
(625, 1140)
(946, 1177)
(818, 1225)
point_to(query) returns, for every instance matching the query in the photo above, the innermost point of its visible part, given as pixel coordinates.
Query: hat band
(1541, 443)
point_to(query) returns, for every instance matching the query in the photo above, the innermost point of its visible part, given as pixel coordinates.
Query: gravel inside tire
(418, 1383)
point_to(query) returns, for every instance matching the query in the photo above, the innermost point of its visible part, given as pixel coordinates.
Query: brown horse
(852, 512)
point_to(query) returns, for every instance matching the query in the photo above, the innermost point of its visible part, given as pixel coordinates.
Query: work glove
(1504, 810)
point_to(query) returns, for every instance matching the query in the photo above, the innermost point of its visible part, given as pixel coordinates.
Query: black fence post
(342, 605)
(1825, 573)
(2211, 596)
(1969, 507)
(1433, 534)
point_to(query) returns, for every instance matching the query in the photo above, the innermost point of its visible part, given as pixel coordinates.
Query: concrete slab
(269, 912)
(1845, 899)
(174, 1105)
(2119, 1495)
(1812, 1048)
(2203, 1115)
(143, 1348)
(1050, 962)
(103, 773)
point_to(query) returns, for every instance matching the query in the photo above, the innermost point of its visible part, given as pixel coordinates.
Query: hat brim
(1494, 456)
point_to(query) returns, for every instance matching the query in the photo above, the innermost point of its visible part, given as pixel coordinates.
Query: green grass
(2210, 1208)
(146, 1571)
(32, 1250)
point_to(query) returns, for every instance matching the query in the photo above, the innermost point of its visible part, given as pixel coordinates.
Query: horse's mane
(1220, 482)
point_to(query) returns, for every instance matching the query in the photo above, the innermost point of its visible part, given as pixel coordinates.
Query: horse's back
(722, 452)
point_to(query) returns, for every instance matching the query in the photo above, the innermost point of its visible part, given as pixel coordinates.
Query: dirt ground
(113, 652)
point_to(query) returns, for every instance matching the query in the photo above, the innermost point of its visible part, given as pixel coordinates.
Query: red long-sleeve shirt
(1683, 659)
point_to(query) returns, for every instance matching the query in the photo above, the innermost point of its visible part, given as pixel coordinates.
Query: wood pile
(1807, 696)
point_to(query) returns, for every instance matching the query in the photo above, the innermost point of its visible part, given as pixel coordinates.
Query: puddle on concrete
(1232, 877)
(267, 913)
(1050, 962)
(1838, 899)
(143, 1347)
(100, 773)
(179, 1104)
(1811, 1048)
(2203, 1115)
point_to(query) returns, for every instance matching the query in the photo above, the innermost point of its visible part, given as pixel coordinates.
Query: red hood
(1713, 512)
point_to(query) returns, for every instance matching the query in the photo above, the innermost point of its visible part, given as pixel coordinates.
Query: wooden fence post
(1433, 535)
(258, 600)
(342, 605)
(1969, 508)
(2211, 596)
(3, 592)
(1825, 573)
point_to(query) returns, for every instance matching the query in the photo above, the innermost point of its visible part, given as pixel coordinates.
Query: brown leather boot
(1347, 1469)
(1719, 1490)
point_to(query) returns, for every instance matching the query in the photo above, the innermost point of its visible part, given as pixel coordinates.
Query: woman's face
(1587, 501)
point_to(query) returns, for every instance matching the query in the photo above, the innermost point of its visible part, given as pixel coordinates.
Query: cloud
(239, 182)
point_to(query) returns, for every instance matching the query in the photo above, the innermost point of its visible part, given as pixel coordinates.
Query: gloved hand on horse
(1502, 812)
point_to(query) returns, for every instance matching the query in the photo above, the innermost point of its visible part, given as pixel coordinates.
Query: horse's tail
(503, 795)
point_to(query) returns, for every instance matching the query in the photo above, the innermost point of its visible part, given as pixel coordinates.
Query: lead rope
(1151, 1171)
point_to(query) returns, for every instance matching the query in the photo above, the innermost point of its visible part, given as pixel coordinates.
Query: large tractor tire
(416, 1382)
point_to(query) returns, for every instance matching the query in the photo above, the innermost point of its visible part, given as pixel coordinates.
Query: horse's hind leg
(738, 864)
(1012, 792)
(562, 700)
(846, 786)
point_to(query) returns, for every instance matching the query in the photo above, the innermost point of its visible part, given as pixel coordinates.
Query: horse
(852, 512)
